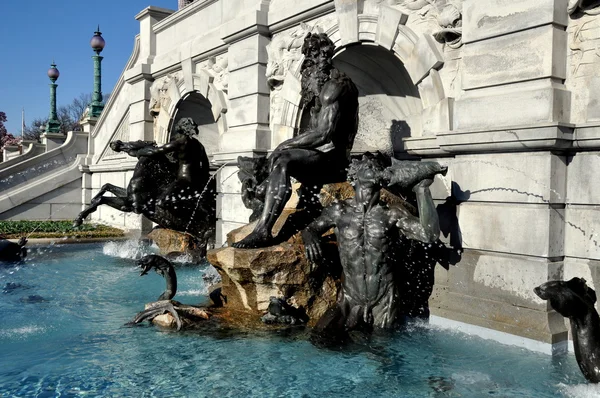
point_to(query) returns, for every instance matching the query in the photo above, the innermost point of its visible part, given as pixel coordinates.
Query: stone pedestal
(11, 152)
(53, 140)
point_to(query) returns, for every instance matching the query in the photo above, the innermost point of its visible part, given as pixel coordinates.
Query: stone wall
(62, 203)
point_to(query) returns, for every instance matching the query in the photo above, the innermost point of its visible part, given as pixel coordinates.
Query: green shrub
(55, 229)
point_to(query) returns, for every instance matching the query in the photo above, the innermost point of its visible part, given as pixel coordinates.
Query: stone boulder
(173, 243)
(249, 277)
(190, 315)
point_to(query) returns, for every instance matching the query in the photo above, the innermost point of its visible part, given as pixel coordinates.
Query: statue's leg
(277, 194)
(298, 163)
(331, 330)
(137, 193)
(309, 196)
(120, 202)
(385, 312)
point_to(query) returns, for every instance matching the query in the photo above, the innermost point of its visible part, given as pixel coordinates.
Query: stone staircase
(46, 185)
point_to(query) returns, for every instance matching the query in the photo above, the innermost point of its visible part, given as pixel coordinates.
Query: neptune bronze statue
(321, 153)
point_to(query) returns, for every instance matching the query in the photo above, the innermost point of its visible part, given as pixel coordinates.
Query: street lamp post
(97, 44)
(53, 125)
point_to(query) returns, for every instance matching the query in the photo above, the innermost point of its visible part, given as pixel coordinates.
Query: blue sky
(33, 33)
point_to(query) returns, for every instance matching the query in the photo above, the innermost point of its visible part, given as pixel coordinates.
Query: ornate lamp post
(53, 125)
(97, 44)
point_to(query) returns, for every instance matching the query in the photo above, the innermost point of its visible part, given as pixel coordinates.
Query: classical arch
(385, 58)
(193, 95)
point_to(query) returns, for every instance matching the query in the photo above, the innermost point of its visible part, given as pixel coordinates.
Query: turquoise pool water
(61, 334)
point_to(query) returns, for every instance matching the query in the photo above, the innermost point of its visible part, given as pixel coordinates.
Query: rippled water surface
(61, 334)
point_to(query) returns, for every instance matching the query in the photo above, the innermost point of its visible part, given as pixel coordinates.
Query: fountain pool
(61, 335)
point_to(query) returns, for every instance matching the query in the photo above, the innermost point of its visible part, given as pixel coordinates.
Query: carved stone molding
(167, 92)
(590, 7)
(161, 98)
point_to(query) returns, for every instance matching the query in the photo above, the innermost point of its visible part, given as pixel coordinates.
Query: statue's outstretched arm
(131, 147)
(425, 228)
(161, 150)
(311, 235)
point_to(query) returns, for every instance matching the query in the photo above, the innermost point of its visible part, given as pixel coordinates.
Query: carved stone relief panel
(589, 7)
(284, 56)
(443, 20)
(584, 60)
(122, 133)
(160, 101)
(217, 68)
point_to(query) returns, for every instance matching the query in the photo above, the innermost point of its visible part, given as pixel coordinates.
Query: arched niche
(384, 58)
(389, 102)
(196, 106)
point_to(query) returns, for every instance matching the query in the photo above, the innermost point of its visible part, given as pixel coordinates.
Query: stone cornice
(181, 14)
(549, 136)
(587, 136)
(153, 11)
(561, 137)
(117, 165)
(279, 23)
(138, 73)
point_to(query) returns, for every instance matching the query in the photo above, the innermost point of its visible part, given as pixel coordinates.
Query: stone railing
(43, 173)
(30, 149)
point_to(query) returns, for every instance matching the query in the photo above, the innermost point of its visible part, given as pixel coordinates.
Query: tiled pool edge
(502, 337)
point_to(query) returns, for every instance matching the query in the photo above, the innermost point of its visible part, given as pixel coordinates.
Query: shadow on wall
(398, 131)
(417, 277)
(449, 226)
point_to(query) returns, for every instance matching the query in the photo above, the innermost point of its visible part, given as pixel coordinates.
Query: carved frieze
(217, 68)
(159, 93)
(284, 55)
(583, 60)
(160, 101)
(444, 18)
